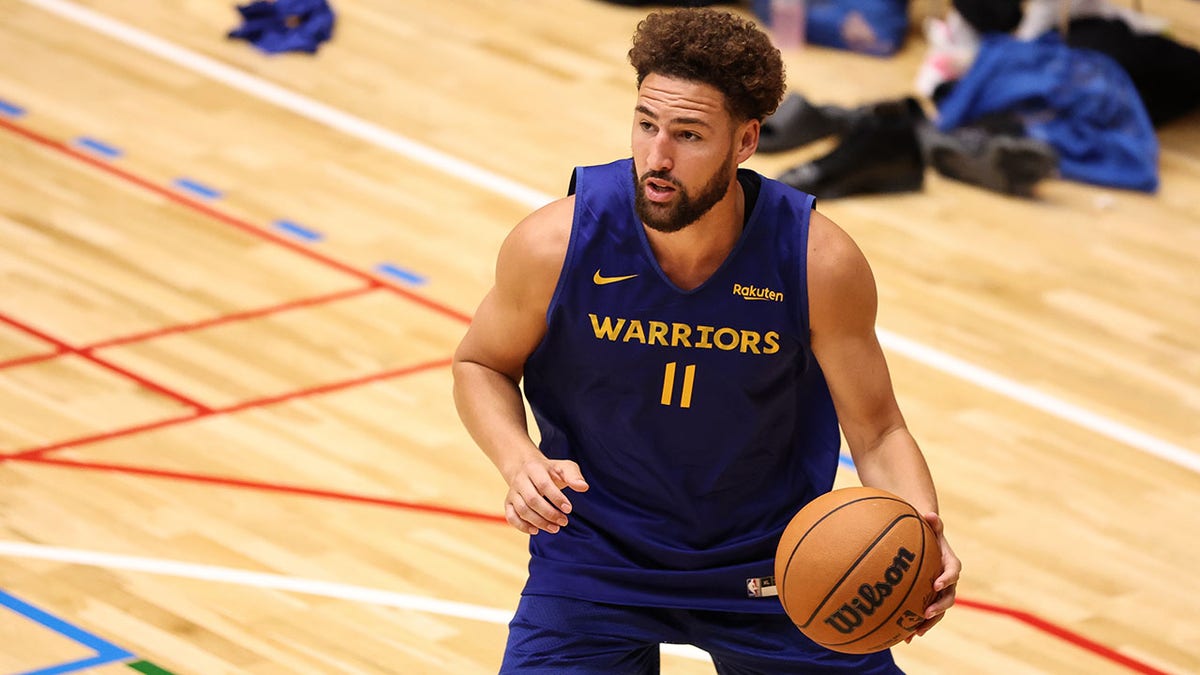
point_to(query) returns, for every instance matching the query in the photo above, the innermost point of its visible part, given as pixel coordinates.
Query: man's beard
(686, 210)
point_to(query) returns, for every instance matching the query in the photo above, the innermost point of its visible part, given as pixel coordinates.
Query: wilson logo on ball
(855, 568)
(870, 597)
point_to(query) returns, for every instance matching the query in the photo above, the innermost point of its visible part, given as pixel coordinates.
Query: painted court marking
(10, 110)
(105, 651)
(921, 353)
(387, 139)
(460, 610)
(289, 100)
(35, 455)
(99, 147)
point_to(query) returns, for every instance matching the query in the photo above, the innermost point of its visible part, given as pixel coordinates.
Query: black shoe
(879, 154)
(1001, 163)
(798, 122)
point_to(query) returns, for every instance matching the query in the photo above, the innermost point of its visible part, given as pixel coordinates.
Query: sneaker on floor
(879, 154)
(1001, 163)
(798, 122)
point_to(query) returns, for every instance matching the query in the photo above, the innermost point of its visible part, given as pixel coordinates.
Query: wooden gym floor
(231, 284)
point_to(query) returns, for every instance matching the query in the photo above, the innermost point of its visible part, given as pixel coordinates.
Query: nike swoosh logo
(600, 280)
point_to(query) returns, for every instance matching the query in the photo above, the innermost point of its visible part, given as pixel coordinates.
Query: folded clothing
(285, 25)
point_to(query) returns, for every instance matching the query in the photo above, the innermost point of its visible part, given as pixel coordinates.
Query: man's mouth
(659, 190)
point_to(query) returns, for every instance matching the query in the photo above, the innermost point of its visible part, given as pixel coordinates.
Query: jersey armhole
(568, 260)
(809, 205)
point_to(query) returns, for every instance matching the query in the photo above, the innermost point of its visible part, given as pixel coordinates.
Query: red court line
(104, 363)
(1025, 618)
(32, 455)
(35, 453)
(104, 436)
(1063, 634)
(225, 218)
(335, 386)
(269, 487)
(31, 358)
(235, 316)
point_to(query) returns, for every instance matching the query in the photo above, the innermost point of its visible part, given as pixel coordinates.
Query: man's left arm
(842, 307)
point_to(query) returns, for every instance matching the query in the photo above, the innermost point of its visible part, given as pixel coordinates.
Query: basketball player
(690, 335)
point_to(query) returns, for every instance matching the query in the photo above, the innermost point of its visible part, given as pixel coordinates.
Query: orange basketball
(855, 569)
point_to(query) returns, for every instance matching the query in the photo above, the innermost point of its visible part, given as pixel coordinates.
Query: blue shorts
(562, 635)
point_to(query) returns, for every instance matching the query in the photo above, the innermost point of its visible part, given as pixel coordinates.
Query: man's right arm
(490, 361)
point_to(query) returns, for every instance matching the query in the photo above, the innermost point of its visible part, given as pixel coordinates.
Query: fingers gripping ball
(855, 569)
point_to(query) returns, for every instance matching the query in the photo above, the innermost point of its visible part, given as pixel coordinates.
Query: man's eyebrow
(678, 120)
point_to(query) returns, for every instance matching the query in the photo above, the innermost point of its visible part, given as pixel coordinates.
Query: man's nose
(661, 156)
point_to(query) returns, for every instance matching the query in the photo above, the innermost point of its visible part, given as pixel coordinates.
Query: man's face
(683, 151)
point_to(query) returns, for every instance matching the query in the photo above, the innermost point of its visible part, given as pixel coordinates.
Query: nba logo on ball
(855, 569)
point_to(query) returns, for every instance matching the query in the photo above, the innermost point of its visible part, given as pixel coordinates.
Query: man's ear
(747, 139)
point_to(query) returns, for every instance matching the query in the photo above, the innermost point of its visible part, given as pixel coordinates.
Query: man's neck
(690, 256)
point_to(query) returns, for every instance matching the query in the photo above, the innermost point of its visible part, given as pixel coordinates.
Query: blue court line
(98, 147)
(846, 462)
(298, 230)
(106, 652)
(10, 110)
(401, 274)
(196, 188)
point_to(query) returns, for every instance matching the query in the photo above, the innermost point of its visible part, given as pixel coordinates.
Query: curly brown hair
(715, 48)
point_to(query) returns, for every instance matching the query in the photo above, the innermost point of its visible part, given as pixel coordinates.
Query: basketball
(855, 569)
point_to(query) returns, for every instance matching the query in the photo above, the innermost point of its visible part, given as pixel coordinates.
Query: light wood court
(231, 284)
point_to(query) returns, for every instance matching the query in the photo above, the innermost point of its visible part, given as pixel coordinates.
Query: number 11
(689, 376)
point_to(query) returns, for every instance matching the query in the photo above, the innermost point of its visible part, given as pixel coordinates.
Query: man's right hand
(535, 500)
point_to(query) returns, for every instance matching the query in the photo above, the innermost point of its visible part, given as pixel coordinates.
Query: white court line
(278, 582)
(1044, 402)
(289, 100)
(372, 133)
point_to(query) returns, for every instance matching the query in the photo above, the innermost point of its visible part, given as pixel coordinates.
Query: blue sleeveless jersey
(700, 418)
